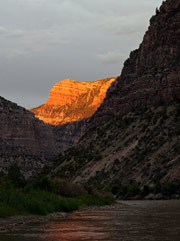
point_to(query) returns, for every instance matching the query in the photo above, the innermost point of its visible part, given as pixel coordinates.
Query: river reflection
(127, 221)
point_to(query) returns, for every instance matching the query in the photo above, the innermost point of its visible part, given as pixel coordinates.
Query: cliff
(23, 133)
(71, 101)
(135, 136)
(151, 73)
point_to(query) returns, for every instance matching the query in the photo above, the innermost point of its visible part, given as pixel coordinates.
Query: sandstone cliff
(135, 135)
(71, 101)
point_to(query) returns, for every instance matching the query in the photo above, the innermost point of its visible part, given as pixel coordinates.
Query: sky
(45, 41)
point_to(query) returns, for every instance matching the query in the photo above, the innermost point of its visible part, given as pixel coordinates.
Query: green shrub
(146, 190)
(15, 176)
(35, 202)
(67, 189)
(168, 188)
(95, 200)
(157, 187)
(40, 202)
(133, 190)
(6, 211)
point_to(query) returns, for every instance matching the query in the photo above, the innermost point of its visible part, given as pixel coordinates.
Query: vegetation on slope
(140, 148)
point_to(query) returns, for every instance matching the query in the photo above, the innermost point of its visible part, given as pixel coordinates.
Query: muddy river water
(125, 221)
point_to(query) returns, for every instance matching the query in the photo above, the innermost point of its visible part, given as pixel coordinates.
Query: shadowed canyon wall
(152, 72)
(135, 135)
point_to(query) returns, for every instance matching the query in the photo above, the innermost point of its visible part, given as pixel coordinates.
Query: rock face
(67, 135)
(24, 134)
(151, 74)
(71, 101)
(30, 142)
(135, 133)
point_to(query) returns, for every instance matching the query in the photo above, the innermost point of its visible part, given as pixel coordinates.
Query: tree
(15, 176)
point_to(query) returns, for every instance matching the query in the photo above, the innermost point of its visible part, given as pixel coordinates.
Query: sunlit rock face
(71, 100)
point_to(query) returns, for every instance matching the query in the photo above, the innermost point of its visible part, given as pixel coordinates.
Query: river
(126, 221)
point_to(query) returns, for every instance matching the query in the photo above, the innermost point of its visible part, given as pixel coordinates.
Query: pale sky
(45, 41)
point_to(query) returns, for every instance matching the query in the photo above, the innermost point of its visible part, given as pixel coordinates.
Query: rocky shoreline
(16, 222)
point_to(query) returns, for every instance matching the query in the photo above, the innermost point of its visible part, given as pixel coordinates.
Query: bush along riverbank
(44, 196)
(160, 190)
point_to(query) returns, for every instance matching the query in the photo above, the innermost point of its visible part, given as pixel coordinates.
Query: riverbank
(20, 207)
(15, 223)
(156, 191)
(151, 196)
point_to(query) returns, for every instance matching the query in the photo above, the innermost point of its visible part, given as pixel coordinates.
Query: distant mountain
(135, 134)
(71, 101)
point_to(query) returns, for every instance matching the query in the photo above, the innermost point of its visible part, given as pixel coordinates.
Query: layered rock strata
(152, 72)
(71, 101)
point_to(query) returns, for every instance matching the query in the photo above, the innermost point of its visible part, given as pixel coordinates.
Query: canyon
(33, 144)
(131, 134)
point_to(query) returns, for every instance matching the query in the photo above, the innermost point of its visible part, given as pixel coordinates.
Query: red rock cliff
(71, 101)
